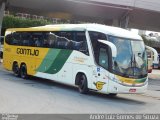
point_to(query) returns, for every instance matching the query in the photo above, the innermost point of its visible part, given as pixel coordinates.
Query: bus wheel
(82, 84)
(23, 71)
(15, 69)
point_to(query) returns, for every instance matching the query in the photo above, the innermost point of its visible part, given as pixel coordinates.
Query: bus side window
(103, 58)
(16, 38)
(52, 38)
(37, 42)
(37, 39)
(9, 38)
(80, 42)
(64, 39)
(62, 43)
(25, 37)
(94, 37)
(67, 34)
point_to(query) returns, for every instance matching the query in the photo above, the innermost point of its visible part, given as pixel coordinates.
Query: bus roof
(110, 30)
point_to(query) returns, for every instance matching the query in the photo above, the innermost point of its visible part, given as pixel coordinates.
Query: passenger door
(101, 77)
(102, 60)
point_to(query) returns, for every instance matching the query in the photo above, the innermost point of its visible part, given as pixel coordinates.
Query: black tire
(15, 69)
(82, 84)
(23, 71)
(1, 55)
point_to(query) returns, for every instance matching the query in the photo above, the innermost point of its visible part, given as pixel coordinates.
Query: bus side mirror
(111, 45)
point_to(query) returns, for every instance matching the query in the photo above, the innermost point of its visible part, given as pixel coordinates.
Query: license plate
(132, 90)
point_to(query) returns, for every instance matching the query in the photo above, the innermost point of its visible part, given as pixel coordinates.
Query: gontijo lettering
(25, 51)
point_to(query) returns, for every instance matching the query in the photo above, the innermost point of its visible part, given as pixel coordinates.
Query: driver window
(103, 58)
(95, 36)
(100, 51)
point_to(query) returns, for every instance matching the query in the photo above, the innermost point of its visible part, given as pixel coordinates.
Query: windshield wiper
(134, 61)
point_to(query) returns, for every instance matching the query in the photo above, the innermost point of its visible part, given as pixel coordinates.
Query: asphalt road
(43, 96)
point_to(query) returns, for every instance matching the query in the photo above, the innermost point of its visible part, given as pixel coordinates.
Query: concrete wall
(107, 11)
(149, 4)
(117, 2)
(144, 4)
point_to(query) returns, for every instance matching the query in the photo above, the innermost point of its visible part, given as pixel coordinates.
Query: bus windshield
(131, 59)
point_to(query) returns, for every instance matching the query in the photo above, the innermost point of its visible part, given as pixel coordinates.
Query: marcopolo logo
(24, 51)
(99, 85)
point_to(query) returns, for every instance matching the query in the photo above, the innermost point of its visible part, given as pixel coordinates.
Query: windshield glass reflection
(131, 57)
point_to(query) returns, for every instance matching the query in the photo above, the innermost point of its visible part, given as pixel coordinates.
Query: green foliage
(150, 43)
(16, 22)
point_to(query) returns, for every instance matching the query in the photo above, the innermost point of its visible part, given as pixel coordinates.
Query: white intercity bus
(150, 59)
(155, 57)
(95, 57)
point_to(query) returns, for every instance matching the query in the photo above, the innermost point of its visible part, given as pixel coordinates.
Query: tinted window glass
(14, 40)
(24, 38)
(103, 58)
(61, 40)
(37, 40)
(80, 42)
(8, 38)
(100, 51)
(52, 38)
(72, 40)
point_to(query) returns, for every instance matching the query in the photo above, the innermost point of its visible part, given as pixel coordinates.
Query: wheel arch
(23, 67)
(14, 62)
(77, 75)
(23, 63)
